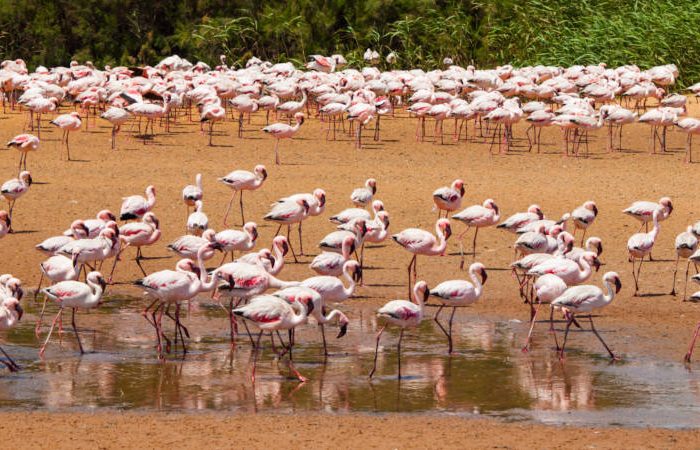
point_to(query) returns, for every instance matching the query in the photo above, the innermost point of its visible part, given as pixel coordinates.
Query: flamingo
(519, 220)
(477, 216)
(639, 245)
(85, 251)
(661, 117)
(361, 197)
(212, 113)
(538, 120)
(283, 131)
(547, 288)
(449, 199)
(174, 286)
(141, 234)
(585, 299)
(616, 115)
(458, 293)
(198, 221)
(14, 189)
(686, 244)
(242, 180)
(96, 225)
(68, 123)
(272, 264)
(317, 205)
(421, 242)
(25, 143)
(237, 240)
(135, 206)
(117, 117)
(39, 106)
(51, 245)
(10, 314)
(193, 192)
(532, 242)
(593, 244)
(350, 214)
(584, 216)
(74, 294)
(244, 104)
(403, 314)
(691, 126)
(270, 313)
(331, 288)
(331, 263)
(288, 213)
(439, 112)
(187, 246)
(5, 223)
(571, 272)
(643, 211)
(307, 295)
(687, 355)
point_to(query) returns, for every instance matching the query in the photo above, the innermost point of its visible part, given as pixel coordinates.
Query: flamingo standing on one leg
(458, 293)
(585, 299)
(242, 180)
(117, 117)
(283, 131)
(25, 143)
(68, 123)
(74, 294)
(403, 314)
(10, 314)
(421, 242)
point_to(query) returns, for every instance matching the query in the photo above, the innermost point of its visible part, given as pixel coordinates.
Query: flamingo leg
(612, 355)
(376, 351)
(10, 363)
(53, 325)
(301, 242)
(675, 271)
(692, 344)
(570, 318)
(255, 355)
(228, 209)
(241, 203)
(528, 341)
(289, 231)
(325, 346)
(398, 351)
(75, 330)
(685, 287)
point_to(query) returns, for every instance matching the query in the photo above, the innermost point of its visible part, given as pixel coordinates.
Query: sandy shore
(407, 173)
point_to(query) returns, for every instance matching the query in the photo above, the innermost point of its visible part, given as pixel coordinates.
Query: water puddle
(487, 375)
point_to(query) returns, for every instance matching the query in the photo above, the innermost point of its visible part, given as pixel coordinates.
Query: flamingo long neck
(655, 231)
(611, 292)
(442, 241)
(205, 284)
(332, 315)
(150, 198)
(300, 317)
(96, 292)
(418, 297)
(154, 237)
(279, 260)
(351, 283)
(259, 178)
(198, 181)
(585, 271)
(478, 287)
(345, 250)
(295, 128)
(276, 283)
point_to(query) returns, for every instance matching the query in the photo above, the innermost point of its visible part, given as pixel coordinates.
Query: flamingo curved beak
(618, 285)
(343, 330)
(20, 311)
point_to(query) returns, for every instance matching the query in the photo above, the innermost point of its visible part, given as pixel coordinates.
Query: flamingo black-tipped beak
(20, 311)
(255, 235)
(285, 248)
(357, 276)
(216, 246)
(484, 276)
(600, 249)
(595, 210)
(271, 259)
(618, 285)
(343, 331)
(103, 283)
(596, 263)
(309, 307)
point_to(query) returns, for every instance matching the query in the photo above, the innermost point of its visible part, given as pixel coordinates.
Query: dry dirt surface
(407, 172)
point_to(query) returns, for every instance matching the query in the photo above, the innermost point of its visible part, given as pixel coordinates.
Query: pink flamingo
(571, 272)
(331, 263)
(421, 242)
(691, 126)
(96, 225)
(331, 289)
(585, 299)
(270, 313)
(188, 246)
(403, 314)
(237, 240)
(39, 106)
(547, 288)
(283, 131)
(439, 112)
(212, 113)
(25, 143)
(198, 221)
(686, 244)
(193, 192)
(272, 263)
(10, 314)
(288, 213)
(243, 104)
(643, 211)
(140, 234)
(477, 216)
(242, 180)
(68, 123)
(4, 224)
(584, 216)
(616, 116)
(350, 214)
(14, 189)
(538, 119)
(640, 245)
(458, 293)
(449, 199)
(51, 245)
(135, 206)
(117, 117)
(361, 197)
(519, 220)
(420, 110)
(74, 294)
(57, 268)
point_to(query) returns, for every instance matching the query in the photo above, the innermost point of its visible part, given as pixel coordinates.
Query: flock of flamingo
(549, 268)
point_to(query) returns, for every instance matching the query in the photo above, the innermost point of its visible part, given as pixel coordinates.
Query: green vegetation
(421, 32)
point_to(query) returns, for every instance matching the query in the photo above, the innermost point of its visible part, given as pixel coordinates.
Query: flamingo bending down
(25, 143)
(477, 216)
(458, 293)
(421, 242)
(74, 294)
(283, 131)
(14, 189)
(585, 299)
(67, 123)
(403, 314)
(270, 313)
(242, 180)
(135, 206)
(686, 244)
(10, 314)
(640, 245)
(449, 199)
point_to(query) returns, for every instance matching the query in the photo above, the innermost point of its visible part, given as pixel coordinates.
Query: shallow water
(487, 374)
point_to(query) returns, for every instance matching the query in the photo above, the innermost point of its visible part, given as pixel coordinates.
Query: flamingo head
(666, 203)
(384, 217)
(343, 324)
(267, 254)
(421, 289)
(458, 185)
(304, 204)
(209, 234)
(360, 228)
(151, 218)
(591, 206)
(14, 285)
(260, 170)
(5, 217)
(151, 190)
(592, 259)
(535, 209)
(349, 243)
(378, 205)
(613, 277)
(445, 228)
(106, 215)
(299, 117)
(13, 303)
(320, 194)
(354, 268)
(79, 226)
(26, 177)
(281, 241)
(596, 243)
(568, 240)
(97, 278)
(252, 229)
(372, 184)
(489, 203)
(479, 269)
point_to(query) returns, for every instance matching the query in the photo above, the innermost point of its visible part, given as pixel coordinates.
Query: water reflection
(487, 374)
